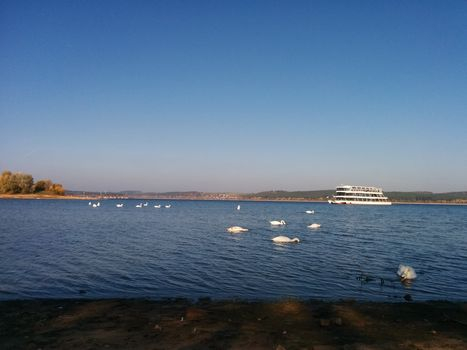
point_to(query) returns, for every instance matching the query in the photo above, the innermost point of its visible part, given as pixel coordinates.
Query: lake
(68, 249)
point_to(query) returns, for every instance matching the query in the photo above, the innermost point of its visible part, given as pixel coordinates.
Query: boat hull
(359, 203)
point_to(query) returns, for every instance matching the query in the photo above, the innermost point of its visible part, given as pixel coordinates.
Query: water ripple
(52, 249)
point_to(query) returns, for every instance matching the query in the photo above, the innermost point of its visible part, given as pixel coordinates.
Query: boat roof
(359, 188)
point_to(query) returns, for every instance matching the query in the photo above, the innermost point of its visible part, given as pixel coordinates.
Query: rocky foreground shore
(206, 324)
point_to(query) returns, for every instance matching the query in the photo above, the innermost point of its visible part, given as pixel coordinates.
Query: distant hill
(393, 196)
(319, 195)
(454, 197)
(130, 192)
(427, 196)
(194, 194)
(291, 195)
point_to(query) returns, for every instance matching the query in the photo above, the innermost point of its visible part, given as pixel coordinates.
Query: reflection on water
(70, 249)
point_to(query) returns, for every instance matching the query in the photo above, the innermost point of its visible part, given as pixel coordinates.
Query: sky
(235, 96)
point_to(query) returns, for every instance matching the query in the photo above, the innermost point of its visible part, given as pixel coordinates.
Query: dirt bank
(206, 324)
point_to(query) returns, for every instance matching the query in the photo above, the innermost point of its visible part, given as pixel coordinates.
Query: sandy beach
(206, 324)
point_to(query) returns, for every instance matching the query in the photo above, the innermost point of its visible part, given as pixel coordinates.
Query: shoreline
(44, 196)
(231, 324)
(91, 198)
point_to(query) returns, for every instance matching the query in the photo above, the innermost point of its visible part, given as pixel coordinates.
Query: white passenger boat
(366, 195)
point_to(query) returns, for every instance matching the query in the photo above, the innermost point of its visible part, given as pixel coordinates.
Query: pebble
(338, 321)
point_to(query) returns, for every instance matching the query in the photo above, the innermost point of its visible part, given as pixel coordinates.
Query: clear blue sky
(235, 95)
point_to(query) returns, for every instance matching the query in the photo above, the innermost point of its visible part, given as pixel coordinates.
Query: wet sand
(206, 324)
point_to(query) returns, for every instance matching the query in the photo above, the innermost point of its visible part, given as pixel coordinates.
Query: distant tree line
(291, 195)
(20, 183)
(427, 196)
(449, 197)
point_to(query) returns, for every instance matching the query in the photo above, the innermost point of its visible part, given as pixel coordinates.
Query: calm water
(67, 249)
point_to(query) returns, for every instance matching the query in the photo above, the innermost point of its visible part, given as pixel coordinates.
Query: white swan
(284, 239)
(120, 205)
(310, 211)
(238, 207)
(157, 206)
(315, 225)
(94, 205)
(168, 206)
(98, 204)
(145, 204)
(236, 229)
(140, 205)
(90, 203)
(277, 223)
(406, 272)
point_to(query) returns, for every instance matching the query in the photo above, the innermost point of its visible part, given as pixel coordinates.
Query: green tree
(58, 189)
(13, 186)
(5, 179)
(43, 185)
(26, 183)
(21, 183)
